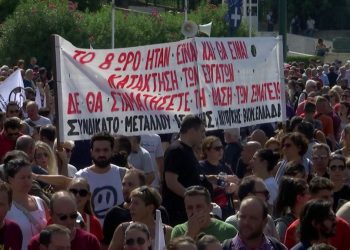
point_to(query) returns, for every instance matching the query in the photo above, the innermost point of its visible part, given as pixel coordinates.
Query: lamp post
(113, 22)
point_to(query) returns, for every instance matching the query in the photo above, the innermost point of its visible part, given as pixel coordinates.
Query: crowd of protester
(269, 186)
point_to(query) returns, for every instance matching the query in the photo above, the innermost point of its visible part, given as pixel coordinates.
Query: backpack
(226, 245)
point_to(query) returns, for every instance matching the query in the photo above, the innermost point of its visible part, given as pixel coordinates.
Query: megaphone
(205, 28)
(189, 29)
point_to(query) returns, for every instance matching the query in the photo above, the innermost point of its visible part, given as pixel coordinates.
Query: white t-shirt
(71, 170)
(141, 160)
(40, 122)
(272, 187)
(27, 228)
(106, 189)
(153, 144)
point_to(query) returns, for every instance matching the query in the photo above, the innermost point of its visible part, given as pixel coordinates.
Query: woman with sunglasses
(29, 212)
(294, 147)
(337, 174)
(80, 188)
(144, 202)
(292, 196)
(44, 159)
(213, 168)
(137, 237)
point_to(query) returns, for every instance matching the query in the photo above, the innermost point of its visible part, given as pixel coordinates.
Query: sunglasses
(334, 167)
(64, 217)
(218, 148)
(81, 192)
(139, 241)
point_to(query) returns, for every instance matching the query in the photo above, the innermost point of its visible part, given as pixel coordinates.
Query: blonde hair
(52, 165)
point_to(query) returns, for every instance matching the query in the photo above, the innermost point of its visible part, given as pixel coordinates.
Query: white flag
(12, 89)
(39, 101)
(159, 240)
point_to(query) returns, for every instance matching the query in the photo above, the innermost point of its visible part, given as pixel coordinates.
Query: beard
(101, 162)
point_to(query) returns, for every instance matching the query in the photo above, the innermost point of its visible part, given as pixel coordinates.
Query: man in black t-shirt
(180, 168)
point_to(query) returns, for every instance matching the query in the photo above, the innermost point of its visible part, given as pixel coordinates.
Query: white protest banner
(229, 82)
(12, 89)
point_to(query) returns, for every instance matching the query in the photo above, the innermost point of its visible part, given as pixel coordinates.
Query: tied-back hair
(270, 157)
(87, 207)
(288, 191)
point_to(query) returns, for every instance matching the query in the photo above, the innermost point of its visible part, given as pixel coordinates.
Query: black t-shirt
(231, 155)
(341, 197)
(209, 169)
(179, 159)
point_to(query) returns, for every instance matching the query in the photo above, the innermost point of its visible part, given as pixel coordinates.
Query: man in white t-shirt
(153, 144)
(104, 178)
(34, 119)
(141, 159)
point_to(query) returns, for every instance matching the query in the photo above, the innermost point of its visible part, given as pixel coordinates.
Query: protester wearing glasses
(320, 158)
(28, 211)
(144, 202)
(198, 208)
(44, 158)
(213, 168)
(80, 188)
(9, 135)
(254, 186)
(294, 146)
(337, 173)
(137, 236)
(63, 211)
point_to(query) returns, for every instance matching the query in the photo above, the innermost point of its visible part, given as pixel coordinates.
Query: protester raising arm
(61, 182)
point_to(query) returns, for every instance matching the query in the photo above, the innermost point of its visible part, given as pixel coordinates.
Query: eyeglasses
(266, 193)
(320, 158)
(287, 145)
(139, 241)
(334, 167)
(64, 217)
(218, 148)
(81, 192)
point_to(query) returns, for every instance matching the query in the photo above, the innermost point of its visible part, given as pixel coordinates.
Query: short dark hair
(198, 190)
(293, 168)
(46, 234)
(262, 203)
(318, 184)
(102, 136)
(269, 156)
(190, 121)
(12, 103)
(12, 123)
(178, 241)
(13, 166)
(206, 240)
(15, 154)
(138, 226)
(247, 186)
(307, 129)
(4, 187)
(337, 157)
(48, 131)
(309, 107)
(314, 210)
(140, 174)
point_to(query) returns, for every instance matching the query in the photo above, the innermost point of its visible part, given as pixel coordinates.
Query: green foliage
(306, 59)
(27, 32)
(6, 8)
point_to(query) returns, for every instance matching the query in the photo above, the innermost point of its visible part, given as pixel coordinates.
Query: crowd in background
(269, 186)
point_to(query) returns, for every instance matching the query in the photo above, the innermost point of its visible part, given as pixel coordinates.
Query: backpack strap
(275, 243)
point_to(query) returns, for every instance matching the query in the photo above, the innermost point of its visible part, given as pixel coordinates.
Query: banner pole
(54, 71)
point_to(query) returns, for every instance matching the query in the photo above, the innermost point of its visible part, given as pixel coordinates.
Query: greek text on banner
(229, 82)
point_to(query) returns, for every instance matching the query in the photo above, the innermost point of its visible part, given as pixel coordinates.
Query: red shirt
(93, 226)
(6, 145)
(82, 241)
(339, 241)
(10, 236)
